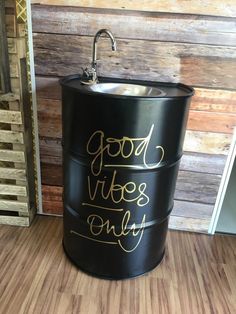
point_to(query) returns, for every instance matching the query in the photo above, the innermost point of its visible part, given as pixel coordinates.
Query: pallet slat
(14, 221)
(13, 173)
(9, 97)
(13, 206)
(9, 116)
(12, 48)
(11, 155)
(8, 189)
(10, 25)
(11, 137)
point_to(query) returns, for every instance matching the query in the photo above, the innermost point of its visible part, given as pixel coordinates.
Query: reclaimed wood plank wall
(164, 40)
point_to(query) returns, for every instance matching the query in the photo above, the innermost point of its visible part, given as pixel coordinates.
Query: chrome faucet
(97, 36)
(90, 74)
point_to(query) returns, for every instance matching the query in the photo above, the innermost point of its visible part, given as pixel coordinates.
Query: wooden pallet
(16, 203)
(17, 177)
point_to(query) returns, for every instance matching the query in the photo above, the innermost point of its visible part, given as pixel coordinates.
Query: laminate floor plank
(197, 275)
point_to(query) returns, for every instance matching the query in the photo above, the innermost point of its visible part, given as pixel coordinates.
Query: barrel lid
(169, 90)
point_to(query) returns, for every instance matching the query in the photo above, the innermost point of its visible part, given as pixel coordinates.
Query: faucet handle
(85, 72)
(88, 76)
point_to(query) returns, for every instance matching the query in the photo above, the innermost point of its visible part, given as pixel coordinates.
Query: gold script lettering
(125, 147)
(109, 189)
(117, 192)
(98, 225)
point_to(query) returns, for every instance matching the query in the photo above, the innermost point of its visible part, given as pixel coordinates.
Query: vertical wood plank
(5, 85)
(28, 135)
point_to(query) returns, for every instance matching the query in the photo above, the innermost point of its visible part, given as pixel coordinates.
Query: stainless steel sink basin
(126, 89)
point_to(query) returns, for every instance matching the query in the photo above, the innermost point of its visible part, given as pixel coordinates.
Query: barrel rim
(64, 82)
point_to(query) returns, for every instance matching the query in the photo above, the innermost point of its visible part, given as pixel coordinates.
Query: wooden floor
(198, 275)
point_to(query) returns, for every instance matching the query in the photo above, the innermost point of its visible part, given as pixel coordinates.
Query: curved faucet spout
(97, 36)
(89, 75)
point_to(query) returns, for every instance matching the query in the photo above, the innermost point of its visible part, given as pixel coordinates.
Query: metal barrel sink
(122, 144)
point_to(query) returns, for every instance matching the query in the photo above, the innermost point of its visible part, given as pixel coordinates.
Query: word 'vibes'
(126, 234)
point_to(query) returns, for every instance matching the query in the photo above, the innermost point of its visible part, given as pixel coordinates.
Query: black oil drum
(121, 154)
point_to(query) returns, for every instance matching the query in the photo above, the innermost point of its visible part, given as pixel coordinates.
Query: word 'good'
(99, 146)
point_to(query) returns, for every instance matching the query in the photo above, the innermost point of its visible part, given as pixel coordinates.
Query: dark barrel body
(120, 160)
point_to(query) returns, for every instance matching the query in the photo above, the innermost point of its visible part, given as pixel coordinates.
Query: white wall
(227, 218)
